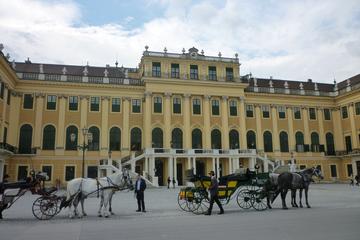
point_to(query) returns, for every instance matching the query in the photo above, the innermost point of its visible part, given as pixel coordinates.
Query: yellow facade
(166, 88)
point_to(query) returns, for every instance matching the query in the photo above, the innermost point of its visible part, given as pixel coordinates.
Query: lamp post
(87, 139)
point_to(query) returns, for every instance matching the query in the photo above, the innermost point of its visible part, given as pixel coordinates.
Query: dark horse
(293, 181)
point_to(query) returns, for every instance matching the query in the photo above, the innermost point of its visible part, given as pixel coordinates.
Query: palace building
(174, 112)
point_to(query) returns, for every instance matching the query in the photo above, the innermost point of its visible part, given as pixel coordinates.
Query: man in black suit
(140, 187)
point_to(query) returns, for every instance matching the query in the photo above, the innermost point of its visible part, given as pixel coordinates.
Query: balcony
(8, 147)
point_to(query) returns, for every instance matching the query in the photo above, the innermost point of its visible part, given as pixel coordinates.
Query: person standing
(168, 181)
(140, 187)
(173, 182)
(213, 189)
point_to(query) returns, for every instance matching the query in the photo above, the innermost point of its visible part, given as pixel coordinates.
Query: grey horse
(293, 181)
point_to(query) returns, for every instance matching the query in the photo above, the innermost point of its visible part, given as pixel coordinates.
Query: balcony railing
(8, 147)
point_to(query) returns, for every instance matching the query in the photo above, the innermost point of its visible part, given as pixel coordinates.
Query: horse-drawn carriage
(46, 206)
(245, 187)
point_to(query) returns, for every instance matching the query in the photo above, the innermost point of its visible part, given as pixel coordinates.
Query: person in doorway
(140, 187)
(213, 189)
(357, 179)
(168, 181)
(6, 178)
(173, 182)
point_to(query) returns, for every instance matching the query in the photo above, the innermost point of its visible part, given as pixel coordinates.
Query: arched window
(215, 139)
(94, 145)
(268, 145)
(136, 139)
(115, 139)
(25, 139)
(251, 140)
(71, 145)
(157, 138)
(196, 139)
(234, 139)
(315, 143)
(330, 146)
(284, 143)
(299, 139)
(177, 138)
(48, 138)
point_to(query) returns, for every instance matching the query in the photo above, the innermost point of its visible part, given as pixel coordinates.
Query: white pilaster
(217, 167)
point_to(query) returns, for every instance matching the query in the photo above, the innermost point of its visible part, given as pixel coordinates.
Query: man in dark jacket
(213, 189)
(140, 187)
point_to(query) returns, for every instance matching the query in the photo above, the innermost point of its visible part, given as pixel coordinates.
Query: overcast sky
(287, 39)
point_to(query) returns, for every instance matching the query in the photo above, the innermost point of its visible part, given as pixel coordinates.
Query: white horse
(79, 189)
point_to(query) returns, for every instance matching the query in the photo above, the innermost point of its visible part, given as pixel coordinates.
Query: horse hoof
(285, 208)
(112, 213)
(308, 206)
(99, 215)
(301, 206)
(106, 216)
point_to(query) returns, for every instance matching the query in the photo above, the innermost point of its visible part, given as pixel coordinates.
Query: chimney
(310, 80)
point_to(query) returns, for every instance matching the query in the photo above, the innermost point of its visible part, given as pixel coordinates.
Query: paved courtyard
(335, 214)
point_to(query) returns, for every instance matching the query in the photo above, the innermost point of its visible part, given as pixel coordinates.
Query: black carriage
(246, 187)
(46, 206)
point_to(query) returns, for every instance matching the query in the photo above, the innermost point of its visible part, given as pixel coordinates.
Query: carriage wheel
(199, 203)
(202, 207)
(258, 200)
(45, 208)
(244, 198)
(183, 203)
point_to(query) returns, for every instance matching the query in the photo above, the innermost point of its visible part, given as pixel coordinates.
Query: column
(213, 164)
(289, 114)
(217, 167)
(338, 132)
(321, 126)
(354, 138)
(252, 164)
(175, 172)
(152, 166)
(194, 164)
(207, 130)
(83, 116)
(146, 167)
(230, 165)
(125, 126)
(170, 168)
(259, 135)
(242, 124)
(305, 115)
(187, 127)
(15, 106)
(167, 121)
(225, 122)
(39, 108)
(266, 165)
(237, 163)
(104, 149)
(275, 134)
(147, 120)
(60, 131)
(189, 162)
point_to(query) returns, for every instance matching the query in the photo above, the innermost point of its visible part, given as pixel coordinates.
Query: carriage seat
(47, 191)
(14, 185)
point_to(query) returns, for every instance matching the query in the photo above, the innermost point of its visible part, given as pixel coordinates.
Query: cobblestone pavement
(335, 214)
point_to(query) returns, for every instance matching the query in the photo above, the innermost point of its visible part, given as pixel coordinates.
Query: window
(281, 110)
(48, 171)
(251, 140)
(234, 139)
(115, 136)
(344, 112)
(156, 69)
(177, 138)
(51, 102)
(157, 138)
(196, 106)
(136, 105)
(175, 70)
(2, 89)
(25, 139)
(212, 73)
(95, 143)
(95, 104)
(327, 114)
(215, 109)
(157, 105)
(284, 144)
(135, 139)
(22, 172)
(268, 146)
(69, 173)
(333, 171)
(28, 101)
(312, 113)
(92, 171)
(297, 113)
(349, 170)
(357, 108)
(194, 72)
(348, 144)
(73, 103)
(299, 139)
(115, 105)
(5, 135)
(330, 147)
(215, 139)
(49, 138)
(8, 97)
(229, 74)
(196, 137)
(71, 145)
(233, 108)
(265, 111)
(315, 142)
(177, 105)
(249, 111)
